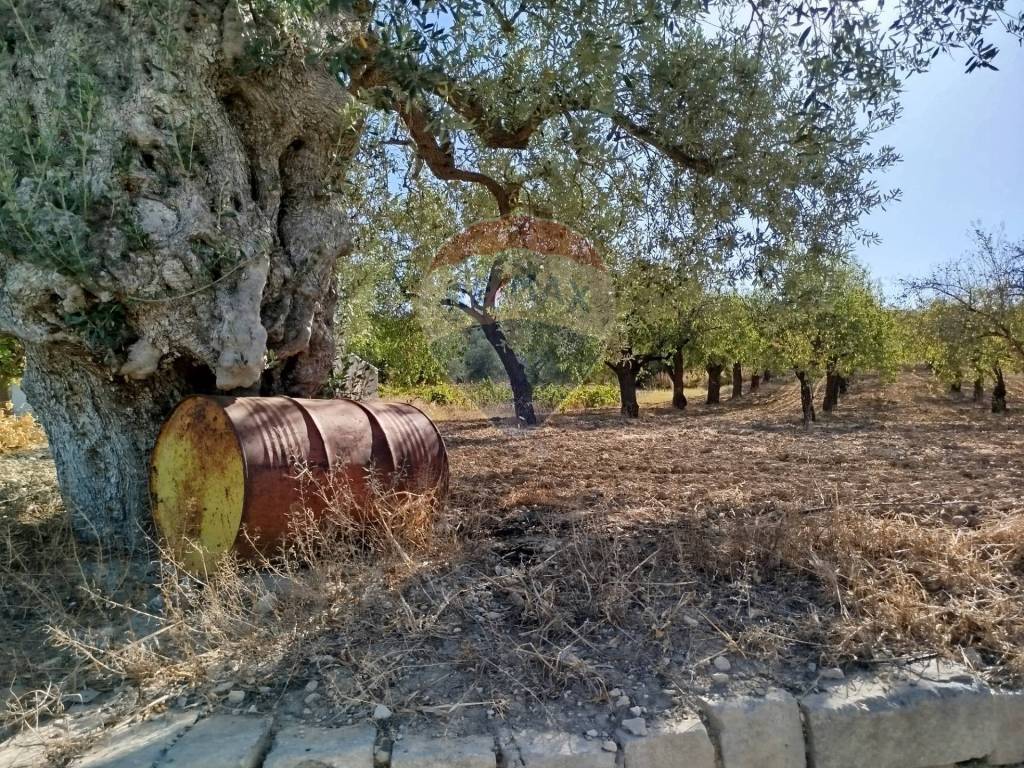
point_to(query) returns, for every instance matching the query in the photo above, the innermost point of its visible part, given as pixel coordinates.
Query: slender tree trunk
(714, 383)
(831, 396)
(626, 374)
(678, 379)
(755, 382)
(978, 390)
(999, 392)
(806, 399)
(737, 380)
(522, 390)
(767, 376)
(843, 385)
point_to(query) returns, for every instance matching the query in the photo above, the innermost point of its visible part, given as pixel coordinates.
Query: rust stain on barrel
(210, 446)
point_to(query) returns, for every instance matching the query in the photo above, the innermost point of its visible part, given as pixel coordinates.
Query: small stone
(755, 613)
(690, 621)
(591, 734)
(614, 693)
(832, 673)
(312, 699)
(224, 687)
(636, 711)
(609, 746)
(236, 697)
(312, 685)
(635, 726)
(381, 712)
(959, 520)
(722, 664)
(622, 701)
(719, 678)
(182, 702)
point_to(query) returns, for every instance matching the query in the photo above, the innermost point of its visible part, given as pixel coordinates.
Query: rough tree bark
(806, 399)
(678, 373)
(627, 368)
(999, 391)
(714, 383)
(737, 380)
(755, 382)
(830, 398)
(186, 245)
(978, 390)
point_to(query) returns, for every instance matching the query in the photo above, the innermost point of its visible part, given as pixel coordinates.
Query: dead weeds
(594, 553)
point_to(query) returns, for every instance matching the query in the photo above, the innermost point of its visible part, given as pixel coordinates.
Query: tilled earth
(595, 567)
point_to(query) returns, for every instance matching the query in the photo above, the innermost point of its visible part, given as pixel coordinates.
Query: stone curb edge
(915, 724)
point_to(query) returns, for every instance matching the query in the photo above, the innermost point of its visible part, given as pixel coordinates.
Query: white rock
(621, 702)
(312, 685)
(301, 747)
(381, 712)
(690, 621)
(759, 733)
(722, 664)
(425, 752)
(635, 726)
(614, 693)
(719, 678)
(832, 673)
(609, 746)
(591, 734)
(636, 711)
(138, 744)
(312, 699)
(236, 697)
(221, 741)
(672, 744)
(558, 750)
(904, 726)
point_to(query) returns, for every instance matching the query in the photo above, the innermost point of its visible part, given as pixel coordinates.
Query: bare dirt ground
(582, 568)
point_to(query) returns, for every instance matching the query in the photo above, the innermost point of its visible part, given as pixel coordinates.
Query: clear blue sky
(962, 141)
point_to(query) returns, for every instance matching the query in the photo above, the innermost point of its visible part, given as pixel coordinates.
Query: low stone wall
(917, 723)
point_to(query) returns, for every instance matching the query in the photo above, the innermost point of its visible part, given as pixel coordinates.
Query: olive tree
(975, 314)
(173, 175)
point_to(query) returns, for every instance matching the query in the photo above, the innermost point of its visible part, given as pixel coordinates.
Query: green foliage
(49, 192)
(399, 350)
(491, 394)
(824, 315)
(12, 359)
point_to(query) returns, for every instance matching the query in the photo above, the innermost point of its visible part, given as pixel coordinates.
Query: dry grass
(576, 555)
(18, 432)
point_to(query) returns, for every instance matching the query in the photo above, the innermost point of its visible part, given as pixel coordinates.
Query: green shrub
(435, 394)
(590, 396)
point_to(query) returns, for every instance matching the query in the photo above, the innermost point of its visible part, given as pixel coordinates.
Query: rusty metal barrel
(225, 471)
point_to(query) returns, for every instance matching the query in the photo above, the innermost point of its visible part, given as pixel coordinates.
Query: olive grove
(180, 180)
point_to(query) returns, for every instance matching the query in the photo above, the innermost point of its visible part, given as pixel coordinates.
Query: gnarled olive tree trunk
(168, 227)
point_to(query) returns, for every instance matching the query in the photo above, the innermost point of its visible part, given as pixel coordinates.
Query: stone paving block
(310, 747)
(426, 752)
(540, 749)
(221, 741)
(138, 745)
(759, 732)
(25, 750)
(900, 726)
(680, 743)
(1008, 724)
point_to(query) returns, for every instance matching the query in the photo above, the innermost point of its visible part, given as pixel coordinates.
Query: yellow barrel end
(197, 482)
